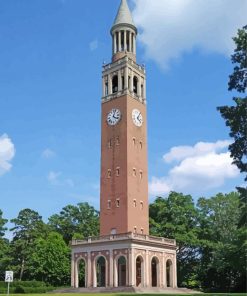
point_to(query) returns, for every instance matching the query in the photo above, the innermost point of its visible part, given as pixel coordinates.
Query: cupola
(123, 34)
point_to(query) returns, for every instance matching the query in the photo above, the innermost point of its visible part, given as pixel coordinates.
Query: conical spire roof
(124, 16)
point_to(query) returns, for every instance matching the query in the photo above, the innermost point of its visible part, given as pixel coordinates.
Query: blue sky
(51, 53)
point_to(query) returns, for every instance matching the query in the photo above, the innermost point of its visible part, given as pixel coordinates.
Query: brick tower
(124, 255)
(124, 178)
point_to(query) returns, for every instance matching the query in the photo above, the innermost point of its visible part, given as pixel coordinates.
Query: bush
(25, 287)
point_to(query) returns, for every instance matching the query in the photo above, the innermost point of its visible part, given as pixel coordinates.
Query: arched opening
(123, 82)
(122, 271)
(135, 84)
(101, 272)
(115, 84)
(122, 41)
(154, 271)
(169, 273)
(139, 271)
(81, 273)
(128, 40)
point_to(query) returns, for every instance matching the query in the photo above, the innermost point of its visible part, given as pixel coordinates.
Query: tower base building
(124, 255)
(124, 260)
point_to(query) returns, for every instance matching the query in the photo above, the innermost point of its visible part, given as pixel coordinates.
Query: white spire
(124, 16)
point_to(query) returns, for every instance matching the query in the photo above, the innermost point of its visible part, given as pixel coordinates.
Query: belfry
(124, 255)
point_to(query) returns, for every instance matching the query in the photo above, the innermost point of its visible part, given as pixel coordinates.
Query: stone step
(126, 290)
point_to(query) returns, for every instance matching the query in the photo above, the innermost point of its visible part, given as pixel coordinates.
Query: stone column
(164, 273)
(94, 274)
(76, 274)
(72, 272)
(134, 44)
(175, 272)
(109, 84)
(148, 272)
(89, 270)
(139, 89)
(144, 88)
(126, 77)
(119, 81)
(131, 81)
(115, 273)
(159, 274)
(131, 268)
(119, 41)
(111, 269)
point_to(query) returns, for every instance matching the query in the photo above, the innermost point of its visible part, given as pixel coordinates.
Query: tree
(221, 254)
(2, 223)
(4, 249)
(4, 244)
(78, 221)
(50, 260)
(28, 227)
(235, 116)
(176, 217)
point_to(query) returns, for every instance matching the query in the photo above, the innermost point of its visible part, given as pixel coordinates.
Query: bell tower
(124, 256)
(124, 177)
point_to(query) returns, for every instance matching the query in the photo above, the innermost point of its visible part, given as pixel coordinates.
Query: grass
(128, 294)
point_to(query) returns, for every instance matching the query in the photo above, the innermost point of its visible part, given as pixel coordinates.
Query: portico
(125, 260)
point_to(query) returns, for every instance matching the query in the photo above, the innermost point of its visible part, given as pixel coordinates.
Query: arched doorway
(154, 271)
(81, 273)
(101, 272)
(121, 271)
(169, 282)
(139, 271)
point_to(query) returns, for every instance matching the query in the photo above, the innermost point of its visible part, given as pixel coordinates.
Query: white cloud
(170, 28)
(56, 178)
(53, 177)
(197, 168)
(201, 148)
(7, 153)
(48, 153)
(93, 45)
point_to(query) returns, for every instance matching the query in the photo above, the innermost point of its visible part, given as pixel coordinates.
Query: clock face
(137, 117)
(113, 117)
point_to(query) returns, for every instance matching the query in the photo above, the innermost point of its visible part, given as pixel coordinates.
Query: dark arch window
(101, 272)
(139, 271)
(115, 84)
(81, 273)
(122, 271)
(154, 270)
(169, 273)
(135, 84)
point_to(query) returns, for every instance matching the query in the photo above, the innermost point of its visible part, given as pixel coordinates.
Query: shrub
(25, 287)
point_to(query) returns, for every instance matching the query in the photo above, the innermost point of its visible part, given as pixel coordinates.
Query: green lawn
(128, 294)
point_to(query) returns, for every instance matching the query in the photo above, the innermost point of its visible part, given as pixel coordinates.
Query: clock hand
(115, 114)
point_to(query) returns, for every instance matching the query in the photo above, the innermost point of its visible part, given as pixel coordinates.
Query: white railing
(122, 61)
(125, 236)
